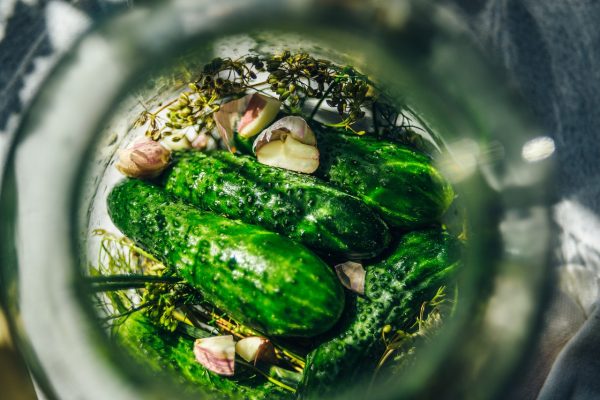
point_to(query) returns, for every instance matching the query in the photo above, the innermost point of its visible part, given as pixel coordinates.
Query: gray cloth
(575, 374)
(551, 48)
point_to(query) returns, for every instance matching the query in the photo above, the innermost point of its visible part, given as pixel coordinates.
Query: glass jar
(498, 160)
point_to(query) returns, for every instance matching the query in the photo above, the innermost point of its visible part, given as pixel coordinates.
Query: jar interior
(479, 133)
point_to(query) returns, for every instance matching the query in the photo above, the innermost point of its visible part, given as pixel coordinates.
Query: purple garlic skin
(352, 276)
(248, 115)
(145, 159)
(260, 112)
(217, 354)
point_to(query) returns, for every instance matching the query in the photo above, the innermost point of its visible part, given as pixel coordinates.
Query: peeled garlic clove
(216, 354)
(145, 159)
(352, 276)
(176, 142)
(290, 144)
(289, 154)
(259, 113)
(255, 348)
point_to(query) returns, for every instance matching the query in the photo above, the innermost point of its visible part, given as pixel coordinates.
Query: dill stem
(126, 278)
(182, 318)
(257, 84)
(278, 383)
(386, 355)
(297, 359)
(267, 376)
(113, 287)
(318, 105)
(111, 283)
(165, 106)
(127, 313)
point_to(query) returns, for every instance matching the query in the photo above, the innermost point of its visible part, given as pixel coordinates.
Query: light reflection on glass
(538, 149)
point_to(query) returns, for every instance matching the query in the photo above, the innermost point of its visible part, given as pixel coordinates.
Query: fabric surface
(575, 372)
(550, 48)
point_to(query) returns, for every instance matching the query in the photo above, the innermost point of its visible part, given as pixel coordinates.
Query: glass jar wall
(59, 172)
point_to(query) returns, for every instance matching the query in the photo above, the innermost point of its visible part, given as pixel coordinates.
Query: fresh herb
(127, 279)
(400, 347)
(297, 77)
(119, 256)
(292, 77)
(165, 299)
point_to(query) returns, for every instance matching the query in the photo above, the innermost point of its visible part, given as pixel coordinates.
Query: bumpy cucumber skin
(162, 351)
(401, 183)
(257, 277)
(295, 205)
(395, 288)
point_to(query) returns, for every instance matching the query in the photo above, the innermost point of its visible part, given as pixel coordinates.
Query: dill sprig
(118, 256)
(291, 77)
(165, 299)
(127, 279)
(297, 77)
(400, 347)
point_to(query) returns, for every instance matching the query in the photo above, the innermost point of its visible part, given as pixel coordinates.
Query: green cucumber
(298, 206)
(259, 278)
(399, 182)
(161, 351)
(395, 288)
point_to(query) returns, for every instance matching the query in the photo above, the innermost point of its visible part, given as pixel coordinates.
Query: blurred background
(550, 50)
(14, 378)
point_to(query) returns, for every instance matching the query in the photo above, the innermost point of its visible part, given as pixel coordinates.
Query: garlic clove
(176, 142)
(248, 115)
(201, 141)
(259, 113)
(289, 143)
(352, 276)
(287, 126)
(216, 354)
(225, 121)
(289, 154)
(255, 348)
(145, 159)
